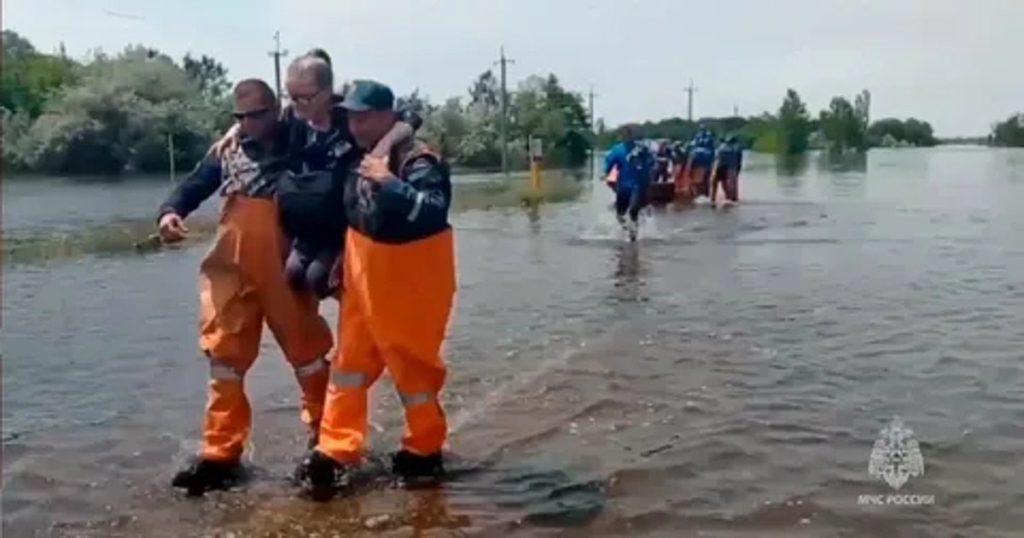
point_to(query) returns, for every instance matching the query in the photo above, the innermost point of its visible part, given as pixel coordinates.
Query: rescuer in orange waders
(399, 286)
(242, 284)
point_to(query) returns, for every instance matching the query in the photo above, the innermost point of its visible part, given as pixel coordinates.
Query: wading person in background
(635, 167)
(726, 170)
(242, 285)
(680, 175)
(399, 282)
(701, 155)
(664, 161)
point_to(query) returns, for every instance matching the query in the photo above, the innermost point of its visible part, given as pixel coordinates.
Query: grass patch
(139, 236)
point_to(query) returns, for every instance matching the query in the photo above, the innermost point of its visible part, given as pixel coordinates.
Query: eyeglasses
(252, 114)
(304, 99)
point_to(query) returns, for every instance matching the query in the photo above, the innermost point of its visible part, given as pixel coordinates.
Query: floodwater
(726, 376)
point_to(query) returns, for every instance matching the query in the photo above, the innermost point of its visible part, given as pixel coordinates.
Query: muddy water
(727, 376)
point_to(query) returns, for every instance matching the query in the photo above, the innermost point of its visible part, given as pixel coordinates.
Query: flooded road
(726, 376)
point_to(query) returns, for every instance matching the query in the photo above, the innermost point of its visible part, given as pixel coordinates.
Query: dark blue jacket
(730, 156)
(254, 172)
(411, 205)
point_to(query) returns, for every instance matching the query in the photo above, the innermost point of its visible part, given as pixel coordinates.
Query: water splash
(473, 415)
(606, 227)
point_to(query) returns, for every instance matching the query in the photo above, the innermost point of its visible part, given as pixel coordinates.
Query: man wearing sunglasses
(242, 285)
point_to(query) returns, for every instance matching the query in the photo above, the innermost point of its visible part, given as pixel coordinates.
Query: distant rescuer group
(331, 197)
(634, 168)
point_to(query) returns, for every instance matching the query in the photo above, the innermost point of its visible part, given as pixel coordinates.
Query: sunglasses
(252, 114)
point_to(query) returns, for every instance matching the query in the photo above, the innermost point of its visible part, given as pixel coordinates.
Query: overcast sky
(954, 63)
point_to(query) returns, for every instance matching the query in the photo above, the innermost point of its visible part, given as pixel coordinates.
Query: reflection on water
(630, 272)
(843, 162)
(728, 374)
(792, 165)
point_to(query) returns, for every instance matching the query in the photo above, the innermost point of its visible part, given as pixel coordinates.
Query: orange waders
(242, 284)
(681, 180)
(698, 177)
(398, 298)
(732, 185)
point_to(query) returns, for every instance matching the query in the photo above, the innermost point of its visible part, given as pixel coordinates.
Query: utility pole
(276, 54)
(504, 112)
(735, 111)
(689, 101)
(593, 147)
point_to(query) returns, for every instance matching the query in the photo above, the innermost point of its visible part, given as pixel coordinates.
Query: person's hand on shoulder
(227, 143)
(375, 168)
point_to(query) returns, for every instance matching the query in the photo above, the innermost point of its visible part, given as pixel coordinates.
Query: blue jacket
(635, 163)
(730, 156)
(702, 148)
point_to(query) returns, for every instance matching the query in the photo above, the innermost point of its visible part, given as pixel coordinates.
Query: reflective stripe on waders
(312, 368)
(223, 372)
(416, 398)
(348, 379)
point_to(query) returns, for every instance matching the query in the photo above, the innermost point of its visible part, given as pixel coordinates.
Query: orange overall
(698, 178)
(398, 299)
(242, 284)
(681, 179)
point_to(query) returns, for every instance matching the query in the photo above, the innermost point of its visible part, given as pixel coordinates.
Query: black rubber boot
(322, 476)
(417, 469)
(207, 475)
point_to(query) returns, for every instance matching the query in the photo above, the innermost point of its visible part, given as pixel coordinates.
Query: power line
(689, 101)
(503, 61)
(593, 147)
(276, 54)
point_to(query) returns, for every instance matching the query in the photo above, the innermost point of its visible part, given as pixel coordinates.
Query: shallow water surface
(726, 376)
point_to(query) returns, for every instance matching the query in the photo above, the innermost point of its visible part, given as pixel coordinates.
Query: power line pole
(735, 111)
(593, 147)
(504, 111)
(276, 54)
(689, 101)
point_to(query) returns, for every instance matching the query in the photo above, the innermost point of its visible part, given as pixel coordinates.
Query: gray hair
(321, 71)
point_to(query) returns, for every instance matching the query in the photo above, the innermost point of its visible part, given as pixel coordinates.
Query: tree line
(467, 131)
(112, 114)
(1009, 133)
(842, 127)
(122, 113)
(108, 114)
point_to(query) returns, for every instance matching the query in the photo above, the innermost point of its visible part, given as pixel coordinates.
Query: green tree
(895, 132)
(447, 128)
(119, 117)
(843, 127)
(29, 77)
(485, 90)
(16, 46)
(210, 75)
(1010, 132)
(543, 108)
(794, 125)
